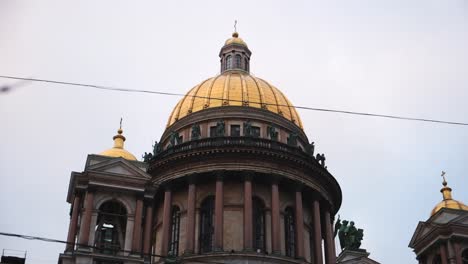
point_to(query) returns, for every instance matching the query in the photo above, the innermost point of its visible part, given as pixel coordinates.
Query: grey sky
(391, 57)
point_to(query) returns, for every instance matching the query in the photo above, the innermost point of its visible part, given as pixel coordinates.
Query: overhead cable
(110, 88)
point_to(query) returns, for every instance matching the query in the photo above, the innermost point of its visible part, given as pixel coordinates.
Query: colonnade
(448, 250)
(85, 242)
(318, 232)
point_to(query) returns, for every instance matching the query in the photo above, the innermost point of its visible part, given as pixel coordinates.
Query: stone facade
(443, 238)
(209, 194)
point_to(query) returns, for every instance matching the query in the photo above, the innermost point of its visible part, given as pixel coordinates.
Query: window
(235, 130)
(228, 62)
(255, 131)
(206, 225)
(238, 61)
(246, 64)
(258, 214)
(213, 131)
(110, 228)
(465, 256)
(290, 230)
(175, 228)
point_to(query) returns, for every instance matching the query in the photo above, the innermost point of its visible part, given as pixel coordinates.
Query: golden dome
(235, 88)
(448, 202)
(235, 40)
(118, 149)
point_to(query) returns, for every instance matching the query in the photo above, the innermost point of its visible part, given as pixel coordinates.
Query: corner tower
(443, 238)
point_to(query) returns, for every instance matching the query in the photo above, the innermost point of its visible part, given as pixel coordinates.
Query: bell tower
(111, 209)
(443, 238)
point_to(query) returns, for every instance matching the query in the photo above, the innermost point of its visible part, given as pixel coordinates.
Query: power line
(181, 259)
(110, 88)
(51, 240)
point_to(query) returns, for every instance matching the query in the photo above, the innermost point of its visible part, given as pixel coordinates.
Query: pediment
(442, 218)
(422, 230)
(116, 166)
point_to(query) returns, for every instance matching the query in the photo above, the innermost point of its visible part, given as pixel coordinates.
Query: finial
(120, 128)
(235, 34)
(446, 191)
(443, 176)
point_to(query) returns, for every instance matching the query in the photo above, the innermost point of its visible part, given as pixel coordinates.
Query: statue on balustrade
(220, 128)
(350, 237)
(247, 129)
(321, 159)
(271, 130)
(196, 132)
(292, 139)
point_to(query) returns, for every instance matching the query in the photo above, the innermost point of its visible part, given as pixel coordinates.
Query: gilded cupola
(235, 86)
(448, 201)
(118, 149)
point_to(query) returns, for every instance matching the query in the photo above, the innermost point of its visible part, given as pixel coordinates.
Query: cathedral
(233, 179)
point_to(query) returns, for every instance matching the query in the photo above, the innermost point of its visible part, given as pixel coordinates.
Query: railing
(108, 248)
(214, 142)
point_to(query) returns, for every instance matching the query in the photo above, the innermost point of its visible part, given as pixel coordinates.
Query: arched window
(206, 225)
(258, 214)
(246, 64)
(228, 62)
(290, 231)
(465, 256)
(175, 228)
(110, 228)
(238, 62)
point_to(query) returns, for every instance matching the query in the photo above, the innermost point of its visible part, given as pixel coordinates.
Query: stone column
(191, 198)
(317, 232)
(299, 222)
(451, 253)
(330, 254)
(219, 214)
(248, 224)
(443, 253)
(275, 220)
(129, 235)
(73, 223)
(148, 230)
(166, 225)
(85, 228)
(458, 253)
(136, 243)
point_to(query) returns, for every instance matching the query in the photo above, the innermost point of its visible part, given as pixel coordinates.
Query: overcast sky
(393, 57)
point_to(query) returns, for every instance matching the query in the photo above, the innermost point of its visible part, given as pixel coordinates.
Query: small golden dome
(118, 149)
(235, 40)
(235, 88)
(448, 202)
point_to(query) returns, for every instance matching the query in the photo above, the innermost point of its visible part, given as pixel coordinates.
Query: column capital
(166, 186)
(275, 179)
(150, 191)
(192, 178)
(248, 175)
(220, 174)
(299, 186)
